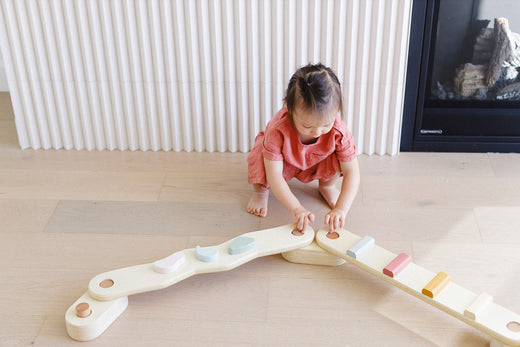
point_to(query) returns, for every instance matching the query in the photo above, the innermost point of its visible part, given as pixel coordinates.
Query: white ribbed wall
(202, 75)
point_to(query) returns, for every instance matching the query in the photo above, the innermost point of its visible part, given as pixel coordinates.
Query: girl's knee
(331, 179)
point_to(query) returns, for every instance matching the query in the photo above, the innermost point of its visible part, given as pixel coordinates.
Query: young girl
(307, 140)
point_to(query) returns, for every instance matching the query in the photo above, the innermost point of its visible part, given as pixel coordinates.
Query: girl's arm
(281, 190)
(336, 217)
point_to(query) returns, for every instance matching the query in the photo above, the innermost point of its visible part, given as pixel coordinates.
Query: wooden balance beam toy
(107, 297)
(437, 290)
(108, 293)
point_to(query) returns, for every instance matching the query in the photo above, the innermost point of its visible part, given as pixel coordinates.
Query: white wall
(197, 75)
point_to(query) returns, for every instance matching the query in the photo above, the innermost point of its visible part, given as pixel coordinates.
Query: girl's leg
(257, 204)
(329, 191)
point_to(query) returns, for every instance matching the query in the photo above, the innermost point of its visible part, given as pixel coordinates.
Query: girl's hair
(314, 88)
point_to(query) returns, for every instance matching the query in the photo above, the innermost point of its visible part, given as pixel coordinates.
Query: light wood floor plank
(165, 217)
(80, 185)
(17, 216)
(20, 329)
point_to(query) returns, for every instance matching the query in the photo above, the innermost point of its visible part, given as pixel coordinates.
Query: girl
(307, 140)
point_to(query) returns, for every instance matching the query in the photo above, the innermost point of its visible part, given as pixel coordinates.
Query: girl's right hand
(302, 218)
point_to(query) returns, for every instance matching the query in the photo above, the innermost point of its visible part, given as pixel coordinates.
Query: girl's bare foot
(257, 204)
(330, 193)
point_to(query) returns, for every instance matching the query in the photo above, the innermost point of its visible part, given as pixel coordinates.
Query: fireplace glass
(472, 83)
(476, 54)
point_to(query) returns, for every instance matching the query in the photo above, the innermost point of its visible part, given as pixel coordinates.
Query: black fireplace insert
(463, 78)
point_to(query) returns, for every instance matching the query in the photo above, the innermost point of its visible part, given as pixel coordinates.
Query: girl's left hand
(335, 219)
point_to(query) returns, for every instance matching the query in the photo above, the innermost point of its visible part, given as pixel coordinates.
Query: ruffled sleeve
(345, 148)
(273, 145)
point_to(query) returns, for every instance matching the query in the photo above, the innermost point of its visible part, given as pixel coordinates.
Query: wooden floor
(66, 216)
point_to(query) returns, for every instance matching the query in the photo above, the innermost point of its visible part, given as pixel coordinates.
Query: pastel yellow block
(436, 285)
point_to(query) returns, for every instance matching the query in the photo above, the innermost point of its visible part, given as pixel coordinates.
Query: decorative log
(502, 52)
(510, 92)
(495, 64)
(483, 47)
(470, 78)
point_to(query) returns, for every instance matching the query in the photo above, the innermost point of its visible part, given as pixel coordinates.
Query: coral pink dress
(315, 161)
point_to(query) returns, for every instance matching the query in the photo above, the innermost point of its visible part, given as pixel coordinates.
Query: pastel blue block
(241, 244)
(206, 254)
(360, 247)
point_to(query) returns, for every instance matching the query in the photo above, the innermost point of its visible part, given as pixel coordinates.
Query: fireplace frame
(412, 138)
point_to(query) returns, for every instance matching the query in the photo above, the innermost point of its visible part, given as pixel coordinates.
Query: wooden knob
(106, 283)
(332, 235)
(514, 326)
(83, 310)
(297, 232)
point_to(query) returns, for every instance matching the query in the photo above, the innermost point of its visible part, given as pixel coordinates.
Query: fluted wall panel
(195, 75)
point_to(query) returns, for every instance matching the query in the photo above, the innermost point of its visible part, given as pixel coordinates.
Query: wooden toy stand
(478, 311)
(107, 297)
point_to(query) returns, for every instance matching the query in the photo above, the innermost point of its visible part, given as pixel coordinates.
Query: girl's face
(310, 126)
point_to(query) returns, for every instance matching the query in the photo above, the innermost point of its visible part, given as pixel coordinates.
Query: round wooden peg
(332, 235)
(83, 310)
(514, 326)
(297, 232)
(106, 283)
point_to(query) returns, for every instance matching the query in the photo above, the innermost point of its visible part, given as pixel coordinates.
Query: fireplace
(463, 78)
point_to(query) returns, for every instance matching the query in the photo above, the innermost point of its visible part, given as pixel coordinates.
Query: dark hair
(314, 88)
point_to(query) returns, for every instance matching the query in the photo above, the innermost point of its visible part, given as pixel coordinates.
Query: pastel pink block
(170, 263)
(397, 265)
